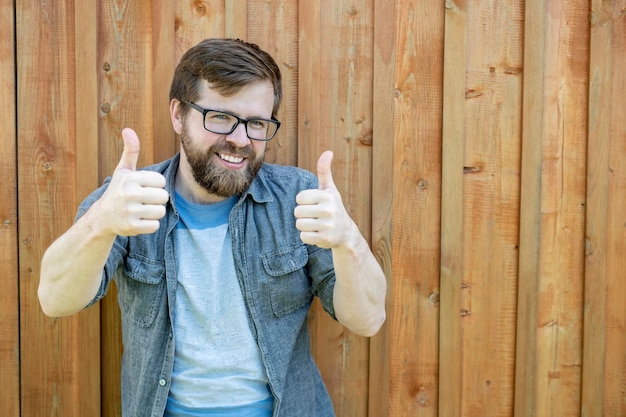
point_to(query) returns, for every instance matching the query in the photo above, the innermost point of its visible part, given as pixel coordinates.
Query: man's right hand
(135, 200)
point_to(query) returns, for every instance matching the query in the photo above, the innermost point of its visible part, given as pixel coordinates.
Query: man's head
(221, 83)
(227, 65)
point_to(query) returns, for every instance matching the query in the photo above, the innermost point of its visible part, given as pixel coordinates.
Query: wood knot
(422, 397)
(434, 297)
(200, 8)
(472, 93)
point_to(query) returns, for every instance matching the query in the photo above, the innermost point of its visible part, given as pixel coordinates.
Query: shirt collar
(259, 189)
(170, 174)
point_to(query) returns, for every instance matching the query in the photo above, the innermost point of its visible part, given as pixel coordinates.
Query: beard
(213, 177)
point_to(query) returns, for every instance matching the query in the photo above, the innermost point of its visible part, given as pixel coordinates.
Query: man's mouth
(230, 158)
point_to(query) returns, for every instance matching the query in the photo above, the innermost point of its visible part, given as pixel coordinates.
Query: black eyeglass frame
(239, 121)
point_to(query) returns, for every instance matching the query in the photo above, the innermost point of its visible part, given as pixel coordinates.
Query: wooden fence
(480, 146)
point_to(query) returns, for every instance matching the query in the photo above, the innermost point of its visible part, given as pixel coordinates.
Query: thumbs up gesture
(320, 215)
(134, 201)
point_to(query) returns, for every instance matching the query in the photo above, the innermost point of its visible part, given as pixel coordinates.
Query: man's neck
(187, 187)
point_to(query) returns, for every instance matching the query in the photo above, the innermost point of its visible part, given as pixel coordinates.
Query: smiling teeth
(233, 159)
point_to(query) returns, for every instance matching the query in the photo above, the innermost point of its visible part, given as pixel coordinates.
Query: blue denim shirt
(279, 277)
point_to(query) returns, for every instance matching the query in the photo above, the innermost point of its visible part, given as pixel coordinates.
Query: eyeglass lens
(224, 123)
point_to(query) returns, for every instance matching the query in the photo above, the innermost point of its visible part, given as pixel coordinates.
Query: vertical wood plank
(614, 400)
(598, 195)
(87, 159)
(560, 300)
(236, 19)
(338, 108)
(415, 289)
(451, 327)
(492, 97)
(126, 83)
(126, 91)
(9, 290)
(274, 27)
(309, 50)
(604, 363)
(383, 139)
(85, 38)
(530, 228)
(163, 65)
(59, 357)
(550, 303)
(198, 20)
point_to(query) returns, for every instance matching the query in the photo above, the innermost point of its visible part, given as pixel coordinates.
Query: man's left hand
(320, 215)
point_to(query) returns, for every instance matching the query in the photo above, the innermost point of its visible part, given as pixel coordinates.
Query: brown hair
(227, 65)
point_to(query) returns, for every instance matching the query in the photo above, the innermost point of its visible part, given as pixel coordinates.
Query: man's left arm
(360, 285)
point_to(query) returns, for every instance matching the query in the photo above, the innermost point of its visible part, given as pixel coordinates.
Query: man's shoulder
(160, 166)
(276, 171)
(278, 181)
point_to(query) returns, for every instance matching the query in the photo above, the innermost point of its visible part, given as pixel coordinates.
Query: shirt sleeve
(321, 267)
(322, 274)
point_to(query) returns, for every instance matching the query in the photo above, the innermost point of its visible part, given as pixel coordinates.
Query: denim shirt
(279, 276)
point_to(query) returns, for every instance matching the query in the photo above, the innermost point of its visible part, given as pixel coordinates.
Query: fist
(320, 215)
(135, 200)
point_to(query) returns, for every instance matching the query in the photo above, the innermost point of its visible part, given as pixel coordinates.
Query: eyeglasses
(224, 123)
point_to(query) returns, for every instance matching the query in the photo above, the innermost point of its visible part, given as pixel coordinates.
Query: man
(217, 255)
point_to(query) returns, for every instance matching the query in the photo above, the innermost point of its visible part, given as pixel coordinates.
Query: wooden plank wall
(480, 146)
(9, 300)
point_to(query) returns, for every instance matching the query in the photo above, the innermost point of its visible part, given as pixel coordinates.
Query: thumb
(130, 155)
(324, 174)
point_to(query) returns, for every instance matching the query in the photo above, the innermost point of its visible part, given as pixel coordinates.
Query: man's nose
(239, 136)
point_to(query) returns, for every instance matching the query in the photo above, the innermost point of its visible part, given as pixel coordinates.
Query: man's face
(225, 165)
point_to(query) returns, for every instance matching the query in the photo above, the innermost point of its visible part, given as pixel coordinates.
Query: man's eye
(257, 124)
(220, 117)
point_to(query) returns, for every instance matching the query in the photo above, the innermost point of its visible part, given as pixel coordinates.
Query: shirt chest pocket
(290, 287)
(141, 287)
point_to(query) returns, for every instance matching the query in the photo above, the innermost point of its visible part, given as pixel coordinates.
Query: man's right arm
(72, 267)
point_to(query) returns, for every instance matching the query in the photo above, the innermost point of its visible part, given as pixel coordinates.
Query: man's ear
(176, 115)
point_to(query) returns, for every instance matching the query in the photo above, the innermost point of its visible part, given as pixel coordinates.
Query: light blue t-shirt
(218, 370)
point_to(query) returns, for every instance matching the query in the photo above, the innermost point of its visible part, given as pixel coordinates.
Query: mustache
(226, 148)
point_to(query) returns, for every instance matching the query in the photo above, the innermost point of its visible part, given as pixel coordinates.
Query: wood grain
(604, 315)
(9, 289)
(335, 109)
(530, 193)
(490, 166)
(198, 20)
(478, 145)
(274, 27)
(163, 66)
(549, 356)
(236, 19)
(413, 312)
(451, 378)
(383, 131)
(60, 361)
(126, 94)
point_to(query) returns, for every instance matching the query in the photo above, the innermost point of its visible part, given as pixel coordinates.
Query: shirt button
(162, 382)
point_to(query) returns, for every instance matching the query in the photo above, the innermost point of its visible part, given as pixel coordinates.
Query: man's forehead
(256, 98)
